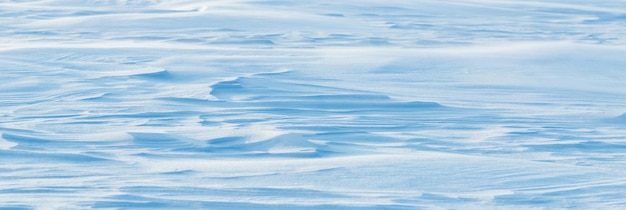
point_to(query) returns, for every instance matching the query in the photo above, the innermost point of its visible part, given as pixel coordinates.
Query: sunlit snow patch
(4, 144)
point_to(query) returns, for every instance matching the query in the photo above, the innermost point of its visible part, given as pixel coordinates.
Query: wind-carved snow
(312, 105)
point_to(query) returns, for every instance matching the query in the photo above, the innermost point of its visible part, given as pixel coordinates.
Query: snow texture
(276, 104)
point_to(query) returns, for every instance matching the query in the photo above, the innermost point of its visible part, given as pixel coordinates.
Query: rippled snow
(312, 105)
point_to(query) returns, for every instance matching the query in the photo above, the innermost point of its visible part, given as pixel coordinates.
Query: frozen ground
(277, 104)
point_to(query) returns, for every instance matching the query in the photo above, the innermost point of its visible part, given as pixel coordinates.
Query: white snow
(252, 104)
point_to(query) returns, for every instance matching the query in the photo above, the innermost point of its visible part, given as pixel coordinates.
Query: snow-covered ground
(281, 104)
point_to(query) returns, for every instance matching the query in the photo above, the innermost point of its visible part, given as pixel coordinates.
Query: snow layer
(249, 104)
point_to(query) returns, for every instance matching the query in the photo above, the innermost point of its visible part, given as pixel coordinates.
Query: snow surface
(251, 104)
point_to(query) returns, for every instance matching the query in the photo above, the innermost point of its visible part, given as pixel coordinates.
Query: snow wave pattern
(312, 105)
